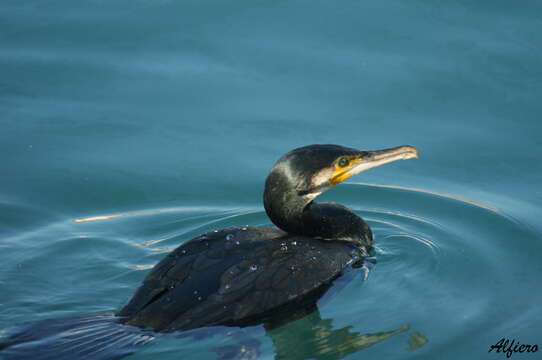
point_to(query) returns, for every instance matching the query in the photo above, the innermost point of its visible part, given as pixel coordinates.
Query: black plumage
(243, 276)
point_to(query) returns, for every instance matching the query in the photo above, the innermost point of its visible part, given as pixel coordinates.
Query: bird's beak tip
(410, 152)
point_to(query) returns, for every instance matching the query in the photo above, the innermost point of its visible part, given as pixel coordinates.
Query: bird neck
(286, 211)
(335, 221)
(298, 214)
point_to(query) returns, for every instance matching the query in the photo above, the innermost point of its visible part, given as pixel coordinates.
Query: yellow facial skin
(341, 170)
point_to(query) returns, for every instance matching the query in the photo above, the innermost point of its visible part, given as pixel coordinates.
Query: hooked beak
(371, 159)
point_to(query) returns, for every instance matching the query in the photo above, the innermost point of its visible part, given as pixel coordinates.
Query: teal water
(171, 113)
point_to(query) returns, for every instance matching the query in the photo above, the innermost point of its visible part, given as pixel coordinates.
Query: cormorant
(239, 276)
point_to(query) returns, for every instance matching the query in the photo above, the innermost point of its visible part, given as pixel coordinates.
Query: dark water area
(157, 121)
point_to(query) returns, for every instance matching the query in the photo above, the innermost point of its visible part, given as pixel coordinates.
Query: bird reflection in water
(315, 338)
(308, 337)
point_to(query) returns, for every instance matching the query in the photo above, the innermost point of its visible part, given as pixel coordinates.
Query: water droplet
(229, 237)
(314, 258)
(284, 248)
(294, 242)
(183, 251)
(244, 228)
(227, 286)
(237, 242)
(253, 267)
(195, 292)
(200, 298)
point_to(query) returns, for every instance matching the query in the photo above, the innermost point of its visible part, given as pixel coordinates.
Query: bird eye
(343, 162)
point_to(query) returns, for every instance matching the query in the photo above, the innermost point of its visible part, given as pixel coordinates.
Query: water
(171, 113)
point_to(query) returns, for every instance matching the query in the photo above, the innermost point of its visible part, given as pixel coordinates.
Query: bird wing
(225, 277)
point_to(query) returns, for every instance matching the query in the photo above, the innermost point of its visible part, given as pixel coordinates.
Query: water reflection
(308, 337)
(315, 338)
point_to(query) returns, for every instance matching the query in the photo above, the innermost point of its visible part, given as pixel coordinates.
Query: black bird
(240, 275)
(263, 275)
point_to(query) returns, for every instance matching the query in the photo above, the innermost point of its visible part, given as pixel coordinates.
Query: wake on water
(93, 337)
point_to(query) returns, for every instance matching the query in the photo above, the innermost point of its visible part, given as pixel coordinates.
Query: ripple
(431, 192)
(180, 209)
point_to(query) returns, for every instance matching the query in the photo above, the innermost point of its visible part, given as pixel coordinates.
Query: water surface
(171, 114)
